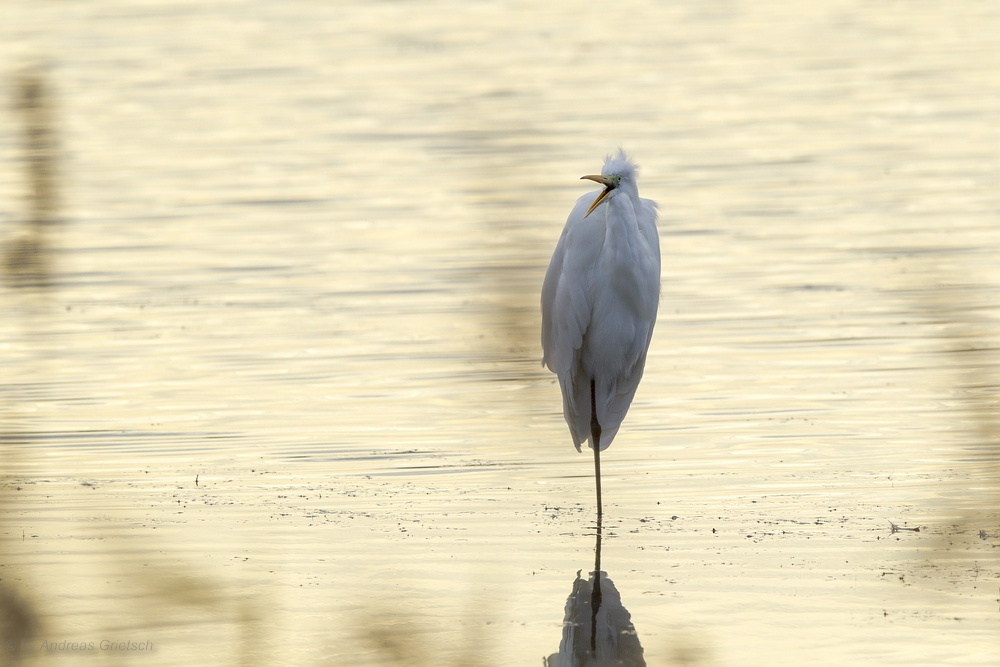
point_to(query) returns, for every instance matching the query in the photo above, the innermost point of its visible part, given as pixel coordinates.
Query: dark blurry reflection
(962, 313)
(25, 263)
(18, 626)
(597, 628)
(25, 257)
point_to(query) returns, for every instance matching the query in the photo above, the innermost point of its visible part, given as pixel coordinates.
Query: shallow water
(283, 400)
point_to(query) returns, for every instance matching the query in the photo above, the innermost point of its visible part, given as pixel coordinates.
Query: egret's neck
(621, 218)
(625, 248)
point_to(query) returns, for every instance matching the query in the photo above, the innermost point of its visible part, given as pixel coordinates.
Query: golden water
(283, 403)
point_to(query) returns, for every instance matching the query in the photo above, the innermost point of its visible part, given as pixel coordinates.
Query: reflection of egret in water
(597, 629)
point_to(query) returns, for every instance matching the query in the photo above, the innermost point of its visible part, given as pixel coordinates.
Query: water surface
(283, 401)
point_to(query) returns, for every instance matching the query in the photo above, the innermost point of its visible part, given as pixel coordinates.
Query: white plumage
(599, 302)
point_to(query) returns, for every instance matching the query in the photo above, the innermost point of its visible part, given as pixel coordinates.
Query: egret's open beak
(608, 184)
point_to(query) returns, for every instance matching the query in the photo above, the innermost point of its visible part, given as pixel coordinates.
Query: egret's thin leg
(595, 440)
(595, 595)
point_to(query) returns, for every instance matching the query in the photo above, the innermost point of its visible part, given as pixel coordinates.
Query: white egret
(599, 304)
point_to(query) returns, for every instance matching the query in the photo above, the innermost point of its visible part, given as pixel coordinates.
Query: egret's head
(620, 164)
(617, 168)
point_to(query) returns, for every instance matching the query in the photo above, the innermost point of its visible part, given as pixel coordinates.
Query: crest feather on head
(620, 164)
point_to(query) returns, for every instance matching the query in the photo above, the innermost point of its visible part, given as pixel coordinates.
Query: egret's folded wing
(570, 319)
(615, 398)
(646, 217)
(565, 308)
(566, 311)
(620, 400)
(549, 288)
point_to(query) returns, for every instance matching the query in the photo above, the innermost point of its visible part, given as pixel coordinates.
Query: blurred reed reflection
(164, 596)
(510, 315)
(168, 595)
(504, 180)
(964, 320)
(597, 628)
(18, 623)
(26, 264)
(398, 633)
(26, 254)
